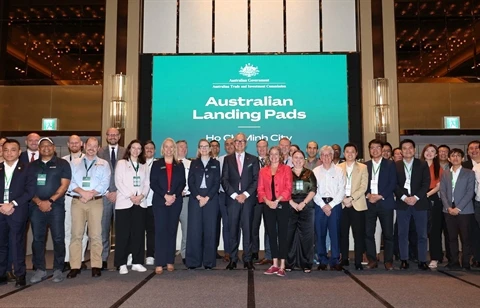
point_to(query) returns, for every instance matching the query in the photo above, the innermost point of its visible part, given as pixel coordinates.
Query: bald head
(113, 136)
(74, 144)
(32, 141)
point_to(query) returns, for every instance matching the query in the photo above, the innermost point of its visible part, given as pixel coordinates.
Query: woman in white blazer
(133, 184)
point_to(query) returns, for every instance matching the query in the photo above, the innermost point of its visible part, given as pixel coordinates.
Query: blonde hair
(174, 147)
(275, 147)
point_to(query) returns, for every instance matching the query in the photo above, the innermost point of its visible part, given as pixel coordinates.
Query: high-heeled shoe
(159, 270)
(170, 267)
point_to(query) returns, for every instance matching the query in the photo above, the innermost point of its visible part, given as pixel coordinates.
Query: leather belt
(78, 197)
(327, 200)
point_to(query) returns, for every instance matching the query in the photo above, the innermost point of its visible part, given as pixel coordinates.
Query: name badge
(6, 196)
(298, 185)
(41, 179)
(86, 182)
(374, 187)
(407, 185)
(348, 190)
(136, 181)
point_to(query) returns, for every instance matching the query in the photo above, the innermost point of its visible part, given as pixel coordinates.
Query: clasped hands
(347, 201)
(327, 209)
(241, 198)
(272, 204)
(373, 198)
(169, 199)
(202, 200)
(7, 208)
(453, 212)
(410, 200)
(136, 200)
(297, 206)
(87, 195)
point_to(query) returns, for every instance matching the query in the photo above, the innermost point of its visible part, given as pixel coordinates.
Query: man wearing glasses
(239, 180)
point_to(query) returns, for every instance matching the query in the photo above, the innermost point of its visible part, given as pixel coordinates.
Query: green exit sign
(451, 122)
(49, 124)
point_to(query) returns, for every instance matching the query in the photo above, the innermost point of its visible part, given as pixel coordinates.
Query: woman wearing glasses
(203, 183)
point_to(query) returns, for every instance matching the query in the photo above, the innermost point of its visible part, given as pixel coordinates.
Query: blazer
(104, 153)
(419, 185)
(283, 183)
(464, 191)
(359, 184)
(26, 160)
(468, 164)
(159, 181)
(124, 173)
(387, 181)
(248, 180)
(21, 190)
(212, 177)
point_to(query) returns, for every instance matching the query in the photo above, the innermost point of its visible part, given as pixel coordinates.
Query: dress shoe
(322, 267)
(208, 268)
(336, 267)
(11, 277)
(73, 273)
(423, 266)
(389, 266)
(372, 264)
(345, 263)
(3, 280)
(21, 282)
(453, 267)
(96, 272)
(248, 265)
(232, 265)
(83, 266)
(184, 262)
(359, 267)
(66, 266)
(404, 265)
(264, 262)
(475, 264)
(226, 258)
(104, 266)
(255, 256)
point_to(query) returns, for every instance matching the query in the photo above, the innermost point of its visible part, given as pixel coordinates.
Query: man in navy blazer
(17, 187)
(382, 179)
(413, 183)
(239, 180)
(32, 152)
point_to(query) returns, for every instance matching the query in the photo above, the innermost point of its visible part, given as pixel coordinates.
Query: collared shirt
(220, 160)
(476, 169)
(242, 159)
(115, 149)
(474, 163)
(288, 162)
(36, 154)
(150, 192)
(262, 161)
(125, 172)
(8, 180)
(348, 185)
(454, 180)
(186, 164)
(55, 170)
(376, 169)
(445, 166)
(72, 156)
(330, 184)
(99, 175)
(408, 176)
(311, 164)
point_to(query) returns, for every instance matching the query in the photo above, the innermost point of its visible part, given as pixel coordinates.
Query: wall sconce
(118, 103)
(382, 105)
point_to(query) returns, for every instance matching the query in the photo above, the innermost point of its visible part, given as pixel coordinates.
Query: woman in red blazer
(275, 191)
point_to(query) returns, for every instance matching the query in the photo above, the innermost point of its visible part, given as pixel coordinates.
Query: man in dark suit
(382, 180)
(32, 152)
(457, 188)
(239, 180)
(413, 183)
(111, 153)
(17, 187)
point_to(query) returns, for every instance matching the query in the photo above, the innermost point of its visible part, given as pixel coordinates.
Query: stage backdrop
(302, 97)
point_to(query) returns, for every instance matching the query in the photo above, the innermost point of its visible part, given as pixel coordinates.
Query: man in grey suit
(457, 188)
(111, 153)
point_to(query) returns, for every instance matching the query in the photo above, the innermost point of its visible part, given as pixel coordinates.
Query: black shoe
(66, 266)
(322, 267)
(208, 268)
(20, 282)
(73, 273)
(336, 267)
(404, 265)
(184, 262)
(475, 264)
(423, 266)
(96, 272)
(232, 265)
(359, 267)
(83, 266)
(218, 256)
(104, 266)
(345, 263)
(255, 256)
(453, 267)
(248, 265)
(3, 280)
(11, 277)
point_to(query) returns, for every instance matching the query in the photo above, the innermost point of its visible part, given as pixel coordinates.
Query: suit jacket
(248, 180)
(104, 153)
(283, 183)
(22, 189)
(464, 191)
(212, 177)
(159, 181)
(26, 160)
(468, 164)
(359, 184)
(419, 184)
(387, 181)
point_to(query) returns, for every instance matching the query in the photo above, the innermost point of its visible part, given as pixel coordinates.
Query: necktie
(239, 164)
(33, 157)
(262, 162)
(112, 157)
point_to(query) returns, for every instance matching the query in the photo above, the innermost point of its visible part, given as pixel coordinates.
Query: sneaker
(123, 270)
(281, 272)
(58, 276)
(129, 260)
(138, 268)
(271, 270)
(433, 264)
(150, 261)
(38, 276)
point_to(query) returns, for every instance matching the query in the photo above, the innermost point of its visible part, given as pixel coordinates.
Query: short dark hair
(406, 141)
(141, 157)
(294, 145)
(350, 144)
(444, 146)
(150, 142)
(456, 151)
(180, 141)
(472, 142)
(299, 151)
(214, 141)
(262, 140)
(12, 141)
(375, 141)
(388, 145)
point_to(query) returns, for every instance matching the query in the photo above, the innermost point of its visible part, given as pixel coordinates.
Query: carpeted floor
(222, 288)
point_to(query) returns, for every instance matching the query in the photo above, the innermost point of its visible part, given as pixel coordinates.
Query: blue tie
(112, 157)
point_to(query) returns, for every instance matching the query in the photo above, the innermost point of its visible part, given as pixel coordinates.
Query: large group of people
(309, 202)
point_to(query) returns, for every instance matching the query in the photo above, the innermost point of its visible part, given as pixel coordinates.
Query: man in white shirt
(32, 152)
(182, 150)
(284, 145)
(328, 209)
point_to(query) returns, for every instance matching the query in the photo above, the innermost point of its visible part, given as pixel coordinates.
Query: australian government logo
(249, 76)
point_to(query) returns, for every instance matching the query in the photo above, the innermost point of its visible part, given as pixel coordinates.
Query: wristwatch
(50, 200)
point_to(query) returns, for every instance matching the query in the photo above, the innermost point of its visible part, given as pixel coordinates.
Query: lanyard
(8, 180)
(78, 156)
(85, 163)
(408, 171)
(375, 171)
(349, 177)
(135, 168)
(150, 164)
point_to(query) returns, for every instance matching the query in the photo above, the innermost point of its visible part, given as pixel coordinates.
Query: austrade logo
(247, 82)
(249, 70)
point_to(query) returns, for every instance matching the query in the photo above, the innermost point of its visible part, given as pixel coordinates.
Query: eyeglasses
(239, 141)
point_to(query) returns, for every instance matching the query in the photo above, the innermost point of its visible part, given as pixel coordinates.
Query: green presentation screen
(302, 97)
